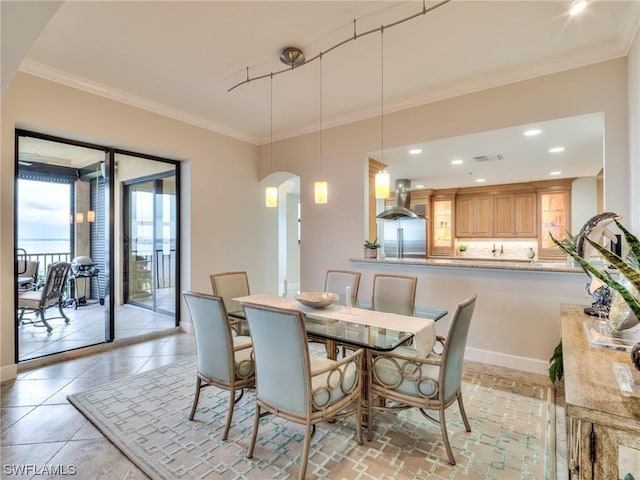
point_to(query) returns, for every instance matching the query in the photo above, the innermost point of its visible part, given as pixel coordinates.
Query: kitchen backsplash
(482, 248)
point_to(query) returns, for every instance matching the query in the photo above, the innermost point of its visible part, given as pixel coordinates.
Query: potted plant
(462, 248)
(624, 310)
(371, 249)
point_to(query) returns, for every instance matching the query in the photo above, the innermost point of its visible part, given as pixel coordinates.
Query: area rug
(146, 417)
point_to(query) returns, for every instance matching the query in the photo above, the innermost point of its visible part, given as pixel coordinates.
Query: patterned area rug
(146, 417)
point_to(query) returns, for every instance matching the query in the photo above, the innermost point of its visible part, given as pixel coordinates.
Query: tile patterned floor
(39, 428)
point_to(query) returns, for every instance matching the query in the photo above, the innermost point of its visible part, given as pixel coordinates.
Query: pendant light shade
(382, 184)
(272, 197)
(321, 191)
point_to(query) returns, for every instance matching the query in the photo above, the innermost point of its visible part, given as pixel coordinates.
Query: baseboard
(526, 364)
(8, 372)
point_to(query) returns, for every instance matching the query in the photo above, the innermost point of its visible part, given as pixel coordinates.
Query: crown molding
(74, 81)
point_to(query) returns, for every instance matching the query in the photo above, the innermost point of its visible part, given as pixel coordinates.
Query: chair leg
(445, 437)
(62, 314)
(463, 413)
(368, 382)
(196, 396)
(254, 434)
(44, 320)
(359, 421)
(232, 402)
(305, 451)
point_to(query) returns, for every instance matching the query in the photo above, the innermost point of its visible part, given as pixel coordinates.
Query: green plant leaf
(625, 269)
(630, 299)
(632, 240)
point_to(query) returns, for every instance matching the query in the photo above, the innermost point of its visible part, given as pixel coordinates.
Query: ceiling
(181, 58)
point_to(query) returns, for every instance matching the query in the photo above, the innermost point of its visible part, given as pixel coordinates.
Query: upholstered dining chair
(295, 385)
(224, 360)
(50, 295)
(337, 281)
(427, 383)
(229, 285)
(399, 290)
(28, 274)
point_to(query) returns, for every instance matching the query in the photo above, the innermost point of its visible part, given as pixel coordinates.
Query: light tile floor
(40, 428)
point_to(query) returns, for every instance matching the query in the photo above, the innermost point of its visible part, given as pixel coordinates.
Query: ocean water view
(44, 245)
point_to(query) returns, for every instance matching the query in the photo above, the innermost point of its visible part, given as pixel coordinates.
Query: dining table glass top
(333, 322)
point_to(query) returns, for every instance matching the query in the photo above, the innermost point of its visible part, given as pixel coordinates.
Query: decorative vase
(635, 356)
(621, 317)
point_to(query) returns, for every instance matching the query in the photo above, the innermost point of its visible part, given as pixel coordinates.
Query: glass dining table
(342, 324)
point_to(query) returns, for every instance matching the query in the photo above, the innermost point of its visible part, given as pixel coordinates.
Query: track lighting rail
(355, 36)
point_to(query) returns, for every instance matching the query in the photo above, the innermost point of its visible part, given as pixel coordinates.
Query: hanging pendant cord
(271, 125)
(321, 169)
(382, 95)
(355, 36)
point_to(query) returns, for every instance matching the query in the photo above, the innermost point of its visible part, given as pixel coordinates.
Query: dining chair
(28, 274)
(223, 360)
(295, 385)
(427, 383)
(229, 285)
(50, 295)
(394, 289)
(337, 281)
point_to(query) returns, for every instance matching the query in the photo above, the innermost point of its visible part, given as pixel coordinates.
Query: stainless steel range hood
(402, 202)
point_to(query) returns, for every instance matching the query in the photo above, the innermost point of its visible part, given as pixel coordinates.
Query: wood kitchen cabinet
(474, 216)
(515, 215)
(442, 208)
(554, 216)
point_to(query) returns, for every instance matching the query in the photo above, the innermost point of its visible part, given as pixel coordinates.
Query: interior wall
(218, 170)
(334, 232)
(633, 83)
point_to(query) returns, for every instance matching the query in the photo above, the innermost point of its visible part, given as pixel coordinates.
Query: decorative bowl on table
(316, 299)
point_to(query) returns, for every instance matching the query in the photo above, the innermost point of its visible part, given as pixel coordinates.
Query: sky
(43, 210)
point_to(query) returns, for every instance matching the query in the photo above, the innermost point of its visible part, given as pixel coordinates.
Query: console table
(603, 426)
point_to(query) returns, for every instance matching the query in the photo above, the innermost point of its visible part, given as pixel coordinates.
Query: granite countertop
(482, 263)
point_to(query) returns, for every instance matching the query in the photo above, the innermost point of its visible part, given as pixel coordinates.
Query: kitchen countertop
(482, 263)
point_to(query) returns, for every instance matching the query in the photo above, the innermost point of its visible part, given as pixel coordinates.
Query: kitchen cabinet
(442, 225)
(474, 216)
(603, 426)
(554, 218)
(515, 215)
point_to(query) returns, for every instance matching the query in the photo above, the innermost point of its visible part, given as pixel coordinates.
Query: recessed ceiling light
(480, 180)
(532, 132)
(456, 162)
(556, 150)
(556, 173)
(577, 7)
(415, 151)
(419, 186)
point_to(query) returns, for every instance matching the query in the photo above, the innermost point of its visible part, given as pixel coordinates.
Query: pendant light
(382, 179)
(320, 186)
(271, 191)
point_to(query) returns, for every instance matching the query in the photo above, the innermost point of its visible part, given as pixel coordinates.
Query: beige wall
(222, 204)
(517, 318)
(225, 225)
(633, 83)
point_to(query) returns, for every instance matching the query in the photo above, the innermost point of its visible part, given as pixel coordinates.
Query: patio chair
(28, 274)
(228, 285)
(427, 383)
(224, 361)
(50, 295)
(295, 385)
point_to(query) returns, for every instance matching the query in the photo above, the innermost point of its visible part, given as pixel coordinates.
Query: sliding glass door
(150, 238)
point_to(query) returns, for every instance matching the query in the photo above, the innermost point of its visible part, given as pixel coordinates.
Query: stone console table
(603, 426)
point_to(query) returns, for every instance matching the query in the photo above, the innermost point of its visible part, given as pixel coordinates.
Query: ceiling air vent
(488, 158)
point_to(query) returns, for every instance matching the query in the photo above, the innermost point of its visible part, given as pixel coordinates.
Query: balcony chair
(28, 274)
(295, 385)
(224, 361)
(427, 383)
(228, 285)
(48, 296)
